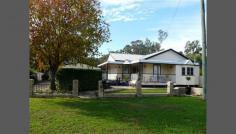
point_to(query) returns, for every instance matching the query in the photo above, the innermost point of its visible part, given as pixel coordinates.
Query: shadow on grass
(162, 114)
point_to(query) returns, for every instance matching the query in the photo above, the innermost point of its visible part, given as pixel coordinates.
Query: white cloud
(118, 10)
(119, 2)
(163, 3)
(130, 10)
(123, 13)
(172, 3)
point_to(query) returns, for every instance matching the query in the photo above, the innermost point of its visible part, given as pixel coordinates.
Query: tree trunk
(53, 79)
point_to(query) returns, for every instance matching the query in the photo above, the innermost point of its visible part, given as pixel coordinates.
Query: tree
(64, 30)
(137, 47)
(162, 35)
(151, 47)
(181, 52)
(103, 58)
(193, 51)
(140, 47)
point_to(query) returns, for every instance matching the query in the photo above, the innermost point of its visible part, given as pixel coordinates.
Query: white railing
(150, 78)
(146, 78)
(134, 76)
(114, 76)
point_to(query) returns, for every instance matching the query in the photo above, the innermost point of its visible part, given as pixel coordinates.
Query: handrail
(145, 77)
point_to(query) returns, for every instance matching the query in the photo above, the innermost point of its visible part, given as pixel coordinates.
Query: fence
(43, 90)
(137, 91)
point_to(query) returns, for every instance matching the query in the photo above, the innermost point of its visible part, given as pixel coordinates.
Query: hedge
(88, 79)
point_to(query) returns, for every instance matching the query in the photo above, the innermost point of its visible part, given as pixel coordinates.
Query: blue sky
(130, 20)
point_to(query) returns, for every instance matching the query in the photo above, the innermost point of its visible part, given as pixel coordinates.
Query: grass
(160, 115)
(145, 91)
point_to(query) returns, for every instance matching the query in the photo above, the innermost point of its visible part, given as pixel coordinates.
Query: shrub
(45, 76)
(188, 78)
(88, 79)
(33, 75)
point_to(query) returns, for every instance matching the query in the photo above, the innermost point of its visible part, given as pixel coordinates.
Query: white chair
(132, 82)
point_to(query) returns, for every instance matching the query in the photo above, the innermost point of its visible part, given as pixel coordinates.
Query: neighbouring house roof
(115, 58)
(80, 66)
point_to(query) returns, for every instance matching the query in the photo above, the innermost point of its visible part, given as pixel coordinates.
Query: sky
(131, 20)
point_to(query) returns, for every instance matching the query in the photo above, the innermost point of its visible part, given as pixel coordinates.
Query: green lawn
(145, 91)
(159, 115)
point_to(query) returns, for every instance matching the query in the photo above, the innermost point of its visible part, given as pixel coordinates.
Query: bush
(88, 79)
(45, 76)
(33, 75)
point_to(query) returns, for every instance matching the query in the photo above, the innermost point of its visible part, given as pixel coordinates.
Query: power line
(173, 16)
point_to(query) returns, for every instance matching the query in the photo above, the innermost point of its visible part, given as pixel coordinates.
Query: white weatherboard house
(153, 69)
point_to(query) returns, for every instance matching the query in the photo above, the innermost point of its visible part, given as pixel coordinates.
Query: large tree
(193, 51)
(64, 30)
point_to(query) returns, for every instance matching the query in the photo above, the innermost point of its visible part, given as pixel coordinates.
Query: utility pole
(204, 51)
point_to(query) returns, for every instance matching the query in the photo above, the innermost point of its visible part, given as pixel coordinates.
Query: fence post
(170, 87)
(75, 90)
(31, 87)
(138, 88)
(100, 89)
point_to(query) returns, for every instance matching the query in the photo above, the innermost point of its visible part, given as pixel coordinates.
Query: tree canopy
(140, 47)
(144, 47)
(193, 51)
(64, 30)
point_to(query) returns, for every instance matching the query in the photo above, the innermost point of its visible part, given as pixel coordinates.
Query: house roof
(124, 57)
(153, 54)
(160, 52)
(133, 58)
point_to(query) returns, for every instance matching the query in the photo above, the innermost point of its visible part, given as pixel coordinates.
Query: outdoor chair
(132, 82)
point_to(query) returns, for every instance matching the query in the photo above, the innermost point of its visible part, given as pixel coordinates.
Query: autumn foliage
(64, 30)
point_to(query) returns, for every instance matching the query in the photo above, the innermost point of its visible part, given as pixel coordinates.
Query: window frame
(187, 71)
(183, 71)
(191, 71)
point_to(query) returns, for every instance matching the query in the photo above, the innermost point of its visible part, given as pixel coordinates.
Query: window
(189, 70)
(183, 70)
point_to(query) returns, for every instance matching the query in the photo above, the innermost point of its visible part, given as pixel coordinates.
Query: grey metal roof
(111, 62)
(152, 54)
(124, 57)
(134, 58)
(182, 62)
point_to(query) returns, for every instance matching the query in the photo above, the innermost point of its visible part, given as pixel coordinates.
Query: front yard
(159, 115)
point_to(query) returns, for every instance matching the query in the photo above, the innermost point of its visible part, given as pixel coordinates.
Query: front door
(156, 72)
(156, 69)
